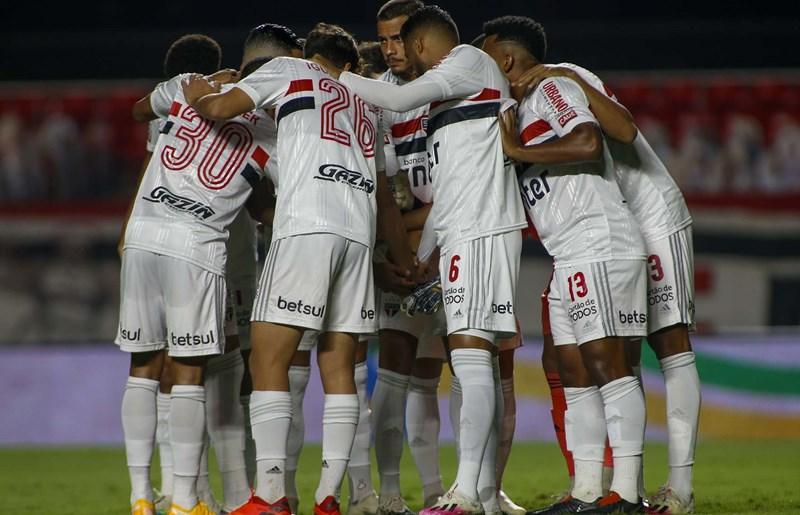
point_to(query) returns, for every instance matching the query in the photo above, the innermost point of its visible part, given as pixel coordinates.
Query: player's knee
(670, 341)
(427, 368)
(549, 356)
(189, 370)
(147, 365)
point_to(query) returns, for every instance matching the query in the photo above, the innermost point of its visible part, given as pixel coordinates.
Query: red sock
(559, 408)
(608, 459)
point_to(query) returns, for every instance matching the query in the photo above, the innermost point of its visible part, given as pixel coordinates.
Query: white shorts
(597, 300)
(308, 341)
(479, 281)
(242, 291)
(167, 302)
(670, 281)
(318, 281)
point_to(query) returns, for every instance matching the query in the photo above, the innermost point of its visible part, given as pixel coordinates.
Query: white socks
(624, 408)
(455, 411)
(358, 470)
(187, 434)
(249, 443)
(139, 426)
(585, 428)
(473, 367)
(422, 426)
(508, 424)
(339, 422)
(271, 416)
(388, 413)
(683, 412)
(225, 420)
(162, 439)
(298, 381)
(487, 479)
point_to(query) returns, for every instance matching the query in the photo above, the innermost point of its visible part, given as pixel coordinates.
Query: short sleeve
(153, 130)
(268, 83)
(462, 73)
(561, 103)
(161, 98)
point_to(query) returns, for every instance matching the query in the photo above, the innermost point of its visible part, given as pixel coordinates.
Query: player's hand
(508, 133)
(529, 80)
(393, 278)
(196, 86)
(225, 76)
(426, 298)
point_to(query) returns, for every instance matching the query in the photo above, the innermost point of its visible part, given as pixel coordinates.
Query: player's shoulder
(584, 74)
(467, 54)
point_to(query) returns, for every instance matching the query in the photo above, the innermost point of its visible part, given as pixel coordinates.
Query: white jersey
(153, 131)
(200, 176)
(577, 209)
(653, 197)
(474, 188)
(407, 133)
(327, 147)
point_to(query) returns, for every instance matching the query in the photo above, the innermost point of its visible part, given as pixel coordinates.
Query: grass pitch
(730, 478)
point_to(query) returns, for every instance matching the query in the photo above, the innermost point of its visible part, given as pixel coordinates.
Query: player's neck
(327, 65)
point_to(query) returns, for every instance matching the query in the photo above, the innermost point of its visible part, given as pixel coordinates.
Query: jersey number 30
(213, 171)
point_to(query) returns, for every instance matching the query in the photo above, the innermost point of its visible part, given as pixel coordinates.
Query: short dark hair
(254, 65)
(278, 37)
(430, 16)
(526, 32)
(478, 41)
(333, 43)
(192, 53)
(394, 8)
(372, 60)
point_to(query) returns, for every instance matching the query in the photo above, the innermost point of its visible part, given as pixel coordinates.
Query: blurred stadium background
(715, 86)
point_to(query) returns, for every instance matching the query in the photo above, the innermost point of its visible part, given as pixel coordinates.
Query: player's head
(428, 35)
(371, 64)
(192, 53)
(333, 46)
(270, 40)
(516, 43)
(391, 18)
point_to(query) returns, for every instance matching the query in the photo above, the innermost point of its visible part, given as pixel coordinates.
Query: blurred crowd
(730, 136)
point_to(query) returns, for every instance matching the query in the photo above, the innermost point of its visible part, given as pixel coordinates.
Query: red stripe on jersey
(300, 85)
(537, 128)
(406, 128)
(174, 109)
(260, 156)
(486, 94)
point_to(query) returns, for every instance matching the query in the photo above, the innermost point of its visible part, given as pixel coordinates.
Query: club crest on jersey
(177, 203)
(354, 179)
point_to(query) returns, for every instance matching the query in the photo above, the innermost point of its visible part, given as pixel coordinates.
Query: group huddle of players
(394, 202)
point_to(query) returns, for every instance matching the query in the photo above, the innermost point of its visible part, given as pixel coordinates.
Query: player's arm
(614, 118)
(582, 144)
(205, 97)
(393, 96)
(560, 103)
(391, 226)
(456, 76)
(415, 219)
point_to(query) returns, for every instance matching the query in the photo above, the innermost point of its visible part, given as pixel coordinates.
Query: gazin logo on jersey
(336, 173)
(178, 203)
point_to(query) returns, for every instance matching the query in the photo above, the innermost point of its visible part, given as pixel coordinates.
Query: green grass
(730, 477)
